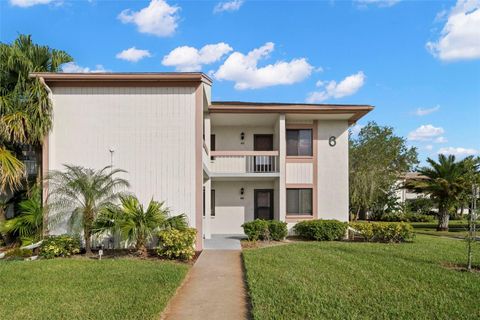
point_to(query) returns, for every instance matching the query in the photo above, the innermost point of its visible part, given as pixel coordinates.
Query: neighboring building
(220, 163)
(403, 193)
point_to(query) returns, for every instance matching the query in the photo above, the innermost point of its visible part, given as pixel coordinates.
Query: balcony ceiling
(243, 119)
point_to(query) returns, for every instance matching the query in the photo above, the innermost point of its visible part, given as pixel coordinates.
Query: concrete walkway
(224, 242)
(214, 289)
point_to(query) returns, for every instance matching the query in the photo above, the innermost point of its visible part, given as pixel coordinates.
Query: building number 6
(332, 142)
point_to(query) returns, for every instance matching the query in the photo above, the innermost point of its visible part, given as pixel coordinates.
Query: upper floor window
(299, 142)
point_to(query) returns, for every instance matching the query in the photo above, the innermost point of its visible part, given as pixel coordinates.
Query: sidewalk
(213, 290)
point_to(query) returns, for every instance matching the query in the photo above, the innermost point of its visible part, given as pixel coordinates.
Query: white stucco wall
(151, 131)
(300, 173)
(230, 210)
(228, 138)
(332, 191)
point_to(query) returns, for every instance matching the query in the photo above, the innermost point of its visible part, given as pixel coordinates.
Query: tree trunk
(357, 214)
(141, 248)
(443, 218)
(88, 249)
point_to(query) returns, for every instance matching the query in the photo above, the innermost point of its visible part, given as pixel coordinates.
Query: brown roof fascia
(257, 107)
(98, 78)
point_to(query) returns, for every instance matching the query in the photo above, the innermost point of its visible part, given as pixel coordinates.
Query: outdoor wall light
(242, 191)
(242, 136)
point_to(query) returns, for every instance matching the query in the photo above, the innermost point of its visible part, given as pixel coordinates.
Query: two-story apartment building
(221, 163)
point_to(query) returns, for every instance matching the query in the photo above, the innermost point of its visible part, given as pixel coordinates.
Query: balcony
(244, 163)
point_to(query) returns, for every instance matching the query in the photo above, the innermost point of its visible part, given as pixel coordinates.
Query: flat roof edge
(122, 76)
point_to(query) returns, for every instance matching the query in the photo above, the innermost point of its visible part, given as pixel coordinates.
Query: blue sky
(418, 62)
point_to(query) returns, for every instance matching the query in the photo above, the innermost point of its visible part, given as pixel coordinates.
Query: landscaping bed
(352, 280)
(82, 288)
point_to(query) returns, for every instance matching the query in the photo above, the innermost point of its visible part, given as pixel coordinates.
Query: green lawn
(339, 280)
(87, 289)
(457, 228)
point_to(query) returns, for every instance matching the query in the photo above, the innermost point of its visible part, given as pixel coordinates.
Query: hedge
(321, 230)
(265, 230)
(384, 231)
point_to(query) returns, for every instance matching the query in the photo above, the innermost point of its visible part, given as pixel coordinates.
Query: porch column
(282, 151)
(207, 233)
(206, 130)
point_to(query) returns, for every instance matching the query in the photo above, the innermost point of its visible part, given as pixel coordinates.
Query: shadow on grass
(249, 314)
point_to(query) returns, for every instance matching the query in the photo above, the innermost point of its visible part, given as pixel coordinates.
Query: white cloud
(378, 3)
(243, 69)
(72, 67)
(191, 59)
(133, 54)
(440, 139)
(429, 147)
(425, 133)
(332, 89)
(30, 3)
(424, 111)
(460, 37)
(230, 6)
(159, 18)
(461, 152)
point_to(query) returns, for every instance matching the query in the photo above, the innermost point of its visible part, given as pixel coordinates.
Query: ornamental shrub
(277, 230)
(384, 231)
(265, 230)
(256, 230)
(407, 217)
(59, 246)
(321, 230)
(18, 253)
(177, 244)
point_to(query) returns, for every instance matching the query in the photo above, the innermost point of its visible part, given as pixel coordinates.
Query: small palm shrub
(384, 231)
(28, 225)
(137, 224)
(59, 246)
(177, 244)
(321, 230)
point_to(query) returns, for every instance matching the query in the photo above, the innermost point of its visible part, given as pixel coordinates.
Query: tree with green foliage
(81, 194)
(136, 224)
(376, 157)
(446, 181)
(25, 107)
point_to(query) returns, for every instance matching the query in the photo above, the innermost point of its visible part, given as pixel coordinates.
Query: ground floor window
(299, 201)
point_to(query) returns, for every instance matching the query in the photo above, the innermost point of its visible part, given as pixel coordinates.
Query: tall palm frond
(12, 170)
(25, 108)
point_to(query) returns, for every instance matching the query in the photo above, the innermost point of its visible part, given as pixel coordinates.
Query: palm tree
(25, 107)
(81, 194)
(28, 225)
(445, 181)
(135, 224)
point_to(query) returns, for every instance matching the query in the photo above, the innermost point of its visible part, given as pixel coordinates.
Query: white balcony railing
(238, 162)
